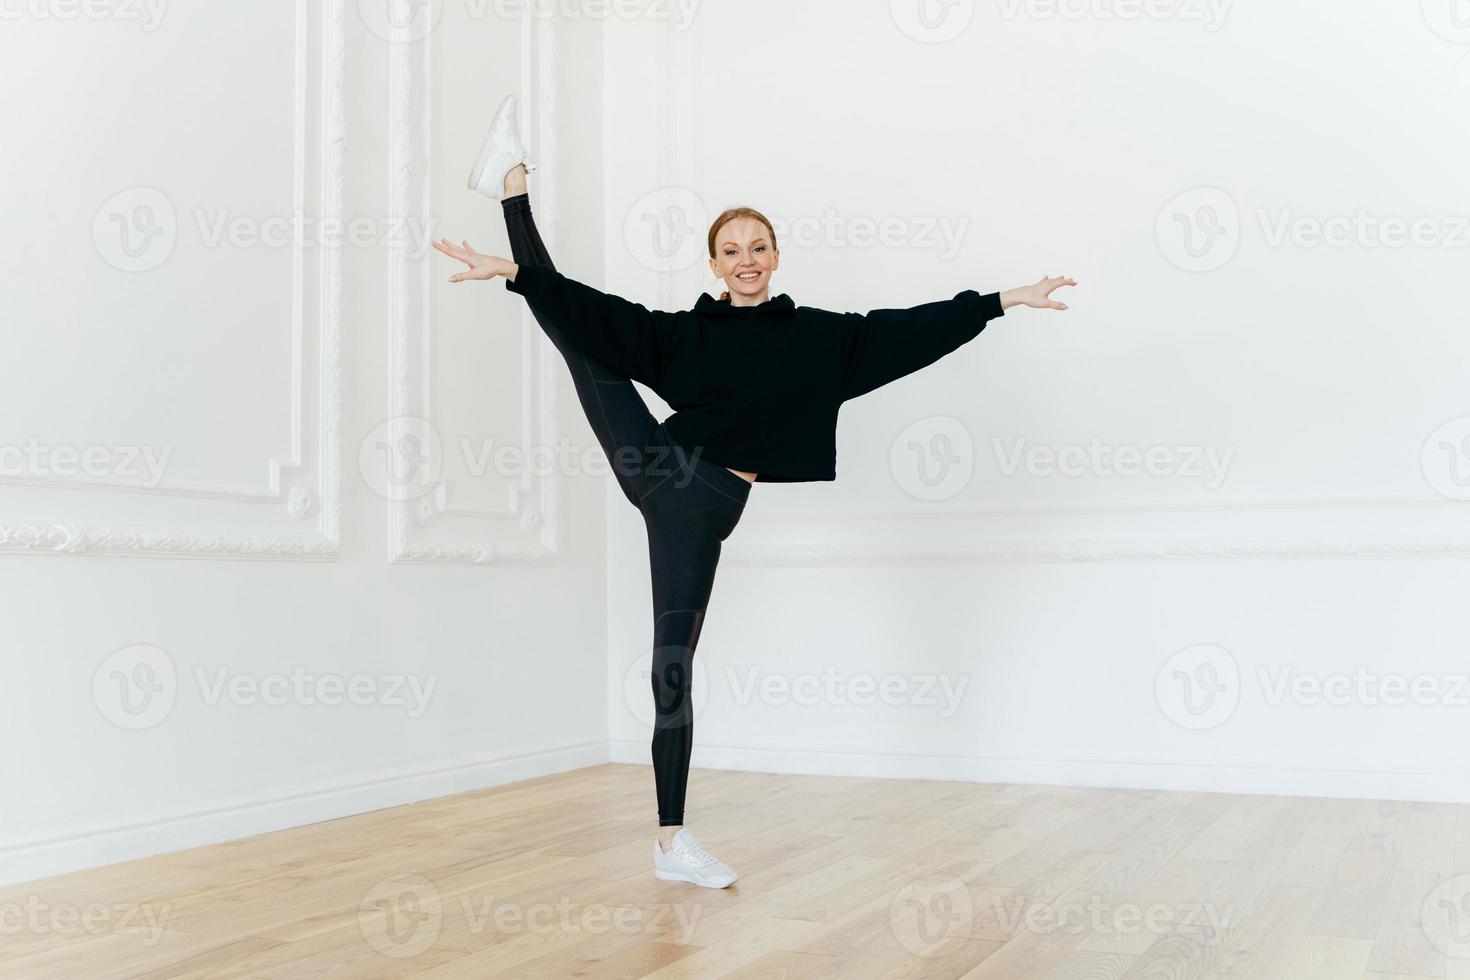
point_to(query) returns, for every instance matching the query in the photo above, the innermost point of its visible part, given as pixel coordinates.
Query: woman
(755, 383)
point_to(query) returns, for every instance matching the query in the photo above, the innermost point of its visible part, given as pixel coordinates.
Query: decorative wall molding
(525, 529)
(257, 523)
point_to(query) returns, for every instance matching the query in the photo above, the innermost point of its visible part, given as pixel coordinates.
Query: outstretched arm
(885, 345)
(626, 336)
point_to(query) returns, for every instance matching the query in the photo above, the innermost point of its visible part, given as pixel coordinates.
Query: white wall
(1097, 628)
(1055, 607)
(263, 370)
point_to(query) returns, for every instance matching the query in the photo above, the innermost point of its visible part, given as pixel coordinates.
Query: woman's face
(745, 258)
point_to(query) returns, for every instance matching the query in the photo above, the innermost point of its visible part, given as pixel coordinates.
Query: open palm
(1038, 294)
(480, 266)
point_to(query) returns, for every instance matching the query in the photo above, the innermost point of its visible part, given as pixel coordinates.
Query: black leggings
(689, 507)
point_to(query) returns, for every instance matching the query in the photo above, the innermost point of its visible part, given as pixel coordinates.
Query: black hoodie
(755, 388)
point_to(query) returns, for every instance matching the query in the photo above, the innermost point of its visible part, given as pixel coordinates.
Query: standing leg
(683, 563)
(687, 519)
(617, 413)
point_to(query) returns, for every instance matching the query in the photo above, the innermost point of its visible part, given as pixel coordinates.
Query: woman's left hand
(1037, 295)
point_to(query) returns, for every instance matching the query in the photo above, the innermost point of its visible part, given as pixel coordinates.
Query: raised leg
(618, 415)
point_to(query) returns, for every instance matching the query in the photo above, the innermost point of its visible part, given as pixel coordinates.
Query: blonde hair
(729, 216)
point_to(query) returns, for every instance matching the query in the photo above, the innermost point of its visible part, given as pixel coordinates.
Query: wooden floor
(839, 878)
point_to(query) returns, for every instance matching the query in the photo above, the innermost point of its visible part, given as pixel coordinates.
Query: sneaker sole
(477, 172)
(676, 876)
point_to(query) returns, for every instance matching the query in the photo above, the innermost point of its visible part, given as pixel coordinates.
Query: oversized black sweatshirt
(755, 388)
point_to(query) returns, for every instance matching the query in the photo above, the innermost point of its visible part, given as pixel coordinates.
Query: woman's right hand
(480, 266)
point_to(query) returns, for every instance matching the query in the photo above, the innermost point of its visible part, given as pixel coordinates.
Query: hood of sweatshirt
(707, 304)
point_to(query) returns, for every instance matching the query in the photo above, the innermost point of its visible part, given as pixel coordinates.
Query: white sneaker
(687, 861)
(503, 152)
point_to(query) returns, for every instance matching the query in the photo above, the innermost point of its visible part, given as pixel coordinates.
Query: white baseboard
(1398, 783)
(76, 848)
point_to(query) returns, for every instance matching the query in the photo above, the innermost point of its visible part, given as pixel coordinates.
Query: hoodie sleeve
(626, 336)
(885, 345)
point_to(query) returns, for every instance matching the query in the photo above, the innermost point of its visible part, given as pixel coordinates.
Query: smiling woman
(755, 383)
(745, 253)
